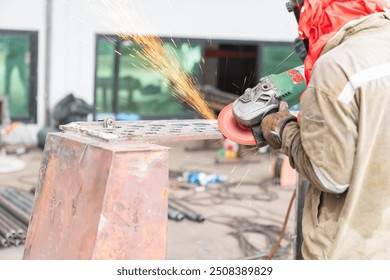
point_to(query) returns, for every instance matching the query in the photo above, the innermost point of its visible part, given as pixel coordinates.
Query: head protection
(319, 20)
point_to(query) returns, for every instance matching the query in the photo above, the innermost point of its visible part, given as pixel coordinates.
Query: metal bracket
(108, 122)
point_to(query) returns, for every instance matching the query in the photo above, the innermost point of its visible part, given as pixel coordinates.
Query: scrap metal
(154, 131)
(15, 211)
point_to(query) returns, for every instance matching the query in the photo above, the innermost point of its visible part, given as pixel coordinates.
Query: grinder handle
(258, 134)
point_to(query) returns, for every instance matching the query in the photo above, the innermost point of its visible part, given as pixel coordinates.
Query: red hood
(321, 19)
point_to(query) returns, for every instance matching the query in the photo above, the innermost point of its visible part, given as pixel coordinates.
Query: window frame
(258, 71)
(117, 40)
(33, 77)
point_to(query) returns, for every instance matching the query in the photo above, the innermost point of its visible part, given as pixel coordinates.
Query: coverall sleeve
(322, 146)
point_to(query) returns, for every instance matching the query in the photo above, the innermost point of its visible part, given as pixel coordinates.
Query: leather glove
(273, 124)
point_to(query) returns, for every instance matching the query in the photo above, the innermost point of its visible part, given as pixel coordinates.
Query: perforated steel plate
(150, 131)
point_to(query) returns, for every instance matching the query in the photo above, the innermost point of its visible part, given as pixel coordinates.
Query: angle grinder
(240, 121)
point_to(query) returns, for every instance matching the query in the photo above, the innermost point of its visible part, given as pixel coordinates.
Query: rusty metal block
(99, 200)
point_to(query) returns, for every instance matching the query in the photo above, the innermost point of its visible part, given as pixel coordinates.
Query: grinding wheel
(232, 130)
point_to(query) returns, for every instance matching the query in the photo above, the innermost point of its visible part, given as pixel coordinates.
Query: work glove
(273, 124)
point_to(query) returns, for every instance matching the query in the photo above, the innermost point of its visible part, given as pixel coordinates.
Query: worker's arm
(322, 146)
(299, 160)
(283, 133)
(291, 145)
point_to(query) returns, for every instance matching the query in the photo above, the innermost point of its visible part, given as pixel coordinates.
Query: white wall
(228, 19)
(76, 23)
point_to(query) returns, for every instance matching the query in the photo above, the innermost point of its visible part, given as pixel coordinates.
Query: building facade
(50, 48)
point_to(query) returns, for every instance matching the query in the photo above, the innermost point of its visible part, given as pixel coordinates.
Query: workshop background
(71, 60)
(70, 46)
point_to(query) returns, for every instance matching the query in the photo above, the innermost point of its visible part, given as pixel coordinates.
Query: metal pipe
(27, 195)
(6, 232)
(15, 242)
(174, 214)
(13, 219)
(16, 197)
(7, 227)
(25, 218)
(188, 213)
(13, 235)
(21, 236)
(6, 221)
(3, 242)
(20, 195)
(13, 199)
(12, 224)
(17, 202)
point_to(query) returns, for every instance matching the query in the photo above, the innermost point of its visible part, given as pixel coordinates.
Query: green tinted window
(278, 58)
(105, 75)
(15, 61)
(146, 91)
(134, 87)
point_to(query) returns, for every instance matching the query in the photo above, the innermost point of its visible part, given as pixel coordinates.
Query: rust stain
(165, 193)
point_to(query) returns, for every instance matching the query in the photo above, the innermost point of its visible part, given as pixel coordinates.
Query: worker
(341, 140)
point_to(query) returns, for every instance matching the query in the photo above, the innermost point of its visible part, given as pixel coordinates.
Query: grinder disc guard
(232, 130)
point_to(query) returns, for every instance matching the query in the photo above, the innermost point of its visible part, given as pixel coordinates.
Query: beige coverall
(342, 145)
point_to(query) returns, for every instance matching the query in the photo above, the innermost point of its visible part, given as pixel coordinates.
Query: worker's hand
(273, 124)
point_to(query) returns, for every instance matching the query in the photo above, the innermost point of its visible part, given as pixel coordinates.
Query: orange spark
(182, 85)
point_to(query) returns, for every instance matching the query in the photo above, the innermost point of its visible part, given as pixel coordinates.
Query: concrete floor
(241, 215)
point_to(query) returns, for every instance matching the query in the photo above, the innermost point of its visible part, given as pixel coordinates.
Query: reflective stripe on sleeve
(326, 183)
(361, 78)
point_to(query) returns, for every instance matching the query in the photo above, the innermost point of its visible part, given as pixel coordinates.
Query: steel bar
(20, 195)
(27, 195)
(155, 131)
(15, 242)
(187, 212)
(22, 216)
(6, 232)
(6, 222)
(14, 192)
(13, 219)
(174, 214)
(11, 224)
(21, 204)
(3, 242)
(7, 228)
